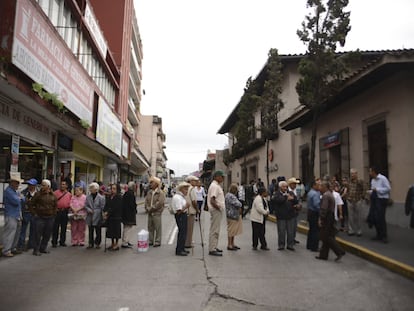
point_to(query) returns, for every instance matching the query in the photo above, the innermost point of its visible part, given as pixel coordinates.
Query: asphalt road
(74, 278)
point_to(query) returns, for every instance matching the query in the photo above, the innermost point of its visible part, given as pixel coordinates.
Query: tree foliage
(245, 113)
(269, 101)
(324, 29)
(261, 93)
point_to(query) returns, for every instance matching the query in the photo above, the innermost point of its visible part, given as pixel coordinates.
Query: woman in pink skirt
(77, 214)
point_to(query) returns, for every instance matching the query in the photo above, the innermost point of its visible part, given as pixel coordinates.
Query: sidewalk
(140, 205)
(397, 255)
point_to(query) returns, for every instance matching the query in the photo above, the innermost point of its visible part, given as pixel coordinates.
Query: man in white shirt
(215, 200)
(380, 194)
(180, 207)
(339, 203)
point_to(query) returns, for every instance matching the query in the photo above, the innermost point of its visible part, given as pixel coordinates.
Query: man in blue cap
(27, 217)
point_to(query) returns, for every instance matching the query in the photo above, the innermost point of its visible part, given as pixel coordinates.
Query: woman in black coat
(113, 216)
(129, 214)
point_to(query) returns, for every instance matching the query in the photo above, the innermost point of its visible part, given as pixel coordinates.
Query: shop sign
(15, 145)
(125, 148)
(331, 140)
(39, 52)
(26, 124)
(109, 128)
(95, 30)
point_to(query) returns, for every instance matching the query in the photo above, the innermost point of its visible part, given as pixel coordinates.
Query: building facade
(69, 94)
(153, 139)
(367, 123)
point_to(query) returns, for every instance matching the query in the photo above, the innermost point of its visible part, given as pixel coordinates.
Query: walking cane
(201, 232)
(105, 240)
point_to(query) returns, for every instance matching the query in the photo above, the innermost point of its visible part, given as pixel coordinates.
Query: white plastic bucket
(143, 243)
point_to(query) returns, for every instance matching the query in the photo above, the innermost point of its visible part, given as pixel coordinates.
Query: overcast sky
(198, 55)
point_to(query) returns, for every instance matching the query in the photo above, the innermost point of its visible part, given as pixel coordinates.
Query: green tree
(245, 112)
(322, 69)
(270, 103)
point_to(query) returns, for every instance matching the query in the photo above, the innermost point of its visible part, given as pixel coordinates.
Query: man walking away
(313, 205)
(327, 224)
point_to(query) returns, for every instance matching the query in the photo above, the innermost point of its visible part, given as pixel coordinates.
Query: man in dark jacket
(409, 205)
(285, 204)
(129, 212)
(44, 208)
(327, 225)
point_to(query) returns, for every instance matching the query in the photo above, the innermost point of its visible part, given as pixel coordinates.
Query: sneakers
(8, 254)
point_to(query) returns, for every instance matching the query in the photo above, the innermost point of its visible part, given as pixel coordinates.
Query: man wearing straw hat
(154, 205)
(12, 216)
(180, 205)
(192, 211)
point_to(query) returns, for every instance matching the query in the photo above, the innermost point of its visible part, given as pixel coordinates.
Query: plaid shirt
(356, 190)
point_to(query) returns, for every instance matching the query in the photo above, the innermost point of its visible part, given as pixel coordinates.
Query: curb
(383, 261)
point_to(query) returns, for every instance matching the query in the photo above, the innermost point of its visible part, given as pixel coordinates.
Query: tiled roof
(372, 56)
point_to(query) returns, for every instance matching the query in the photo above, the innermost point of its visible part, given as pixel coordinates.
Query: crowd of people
(47, 213)
(330, 205)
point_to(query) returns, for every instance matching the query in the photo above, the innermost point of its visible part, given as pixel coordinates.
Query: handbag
(232, 213)
(79, 217)
(171, 210)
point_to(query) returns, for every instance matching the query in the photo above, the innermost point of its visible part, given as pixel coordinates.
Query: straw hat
(15, 176)
(183, 185)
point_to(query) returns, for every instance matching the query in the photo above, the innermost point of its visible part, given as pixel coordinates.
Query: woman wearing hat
(180, 206)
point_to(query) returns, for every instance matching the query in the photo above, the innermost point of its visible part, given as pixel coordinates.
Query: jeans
(355, 217)
(98, 239)
(380, 223)
(10, 233)
(61, 222)
(285, 231)
(216, 216)
(181, 220)
(312, 241)
(154, 228)
(327, 236)
(258, 233)
(27, 221)
(44, 227)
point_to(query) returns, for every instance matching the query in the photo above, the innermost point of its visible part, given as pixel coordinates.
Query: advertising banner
(109, 128)
(39, 52)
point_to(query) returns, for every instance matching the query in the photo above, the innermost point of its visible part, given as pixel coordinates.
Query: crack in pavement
(216, 293)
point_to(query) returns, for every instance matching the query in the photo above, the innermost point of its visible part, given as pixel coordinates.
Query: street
(74, 278)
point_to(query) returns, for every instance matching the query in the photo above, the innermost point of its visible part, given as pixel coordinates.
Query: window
(67, 26)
